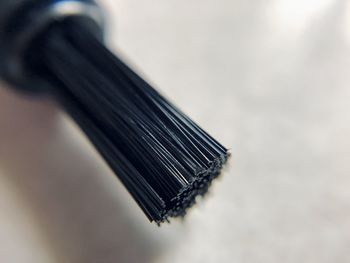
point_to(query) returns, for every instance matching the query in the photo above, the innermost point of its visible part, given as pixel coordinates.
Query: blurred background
(268, 79)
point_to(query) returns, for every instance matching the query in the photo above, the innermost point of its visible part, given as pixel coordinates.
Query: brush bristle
(161, 156)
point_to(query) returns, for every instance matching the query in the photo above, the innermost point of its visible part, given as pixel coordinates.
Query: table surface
(269, 79)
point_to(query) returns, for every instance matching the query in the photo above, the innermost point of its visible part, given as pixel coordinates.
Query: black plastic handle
(21, 21)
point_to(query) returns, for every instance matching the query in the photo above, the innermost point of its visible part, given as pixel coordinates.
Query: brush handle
(22, 21)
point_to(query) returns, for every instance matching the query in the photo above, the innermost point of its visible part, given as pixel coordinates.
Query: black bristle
(162, 157)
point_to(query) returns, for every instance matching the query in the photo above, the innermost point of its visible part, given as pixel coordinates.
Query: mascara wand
(55, 48)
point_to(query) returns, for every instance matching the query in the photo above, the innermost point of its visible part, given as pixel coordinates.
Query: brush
(55, 48)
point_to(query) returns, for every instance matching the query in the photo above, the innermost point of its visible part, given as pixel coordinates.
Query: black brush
(161, 156)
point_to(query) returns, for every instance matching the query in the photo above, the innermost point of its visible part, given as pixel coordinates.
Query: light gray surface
(269, 79)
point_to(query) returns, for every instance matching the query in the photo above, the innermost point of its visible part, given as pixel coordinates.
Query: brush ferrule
(22, 21)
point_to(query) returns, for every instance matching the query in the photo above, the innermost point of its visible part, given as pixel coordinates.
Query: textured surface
(270, 79)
